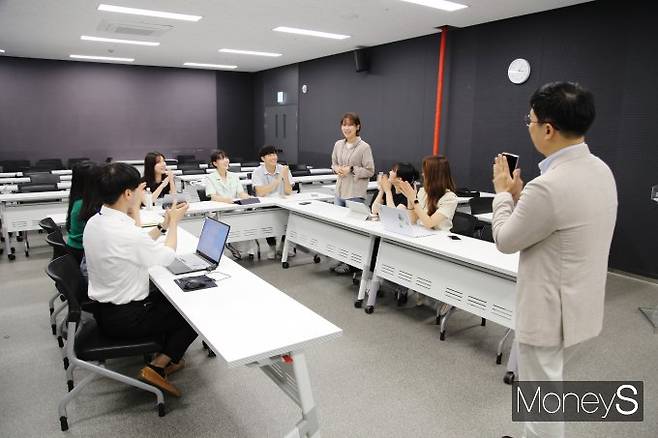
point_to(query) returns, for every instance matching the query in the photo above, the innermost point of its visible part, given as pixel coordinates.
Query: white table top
(10, 174)
(321, 171)
(468, 250)
(244, 319)
(485, 217)
(62, 172)
(65, 185)
(14, 180)
(202, 177)
(314, 178)
(35, 196)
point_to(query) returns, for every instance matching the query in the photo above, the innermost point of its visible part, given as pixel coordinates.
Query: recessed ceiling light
(2, 51)
(198, 64)
(149, 13)
(118, 41)
(315, 33)
(102, 58)
(249, 52)
(438, 4)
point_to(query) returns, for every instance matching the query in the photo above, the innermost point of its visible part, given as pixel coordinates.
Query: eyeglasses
(527, 120)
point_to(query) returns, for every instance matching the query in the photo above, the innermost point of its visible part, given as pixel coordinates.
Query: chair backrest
(170, 161)
(30, 188)
(65, 272)
(185, 158)
(304, 172)
(202, 194)
(43, 178)
(298, 167)
(73, 161)
(56, 241)
(196, 171)
(49, 225)
(250, 164)
(49, 164)
(463, 223)
(480, 205)
(15, 165)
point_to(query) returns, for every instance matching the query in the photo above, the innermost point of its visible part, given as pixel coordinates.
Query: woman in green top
(84, 202)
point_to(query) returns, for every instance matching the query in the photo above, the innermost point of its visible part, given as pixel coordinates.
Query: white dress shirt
(118, 256)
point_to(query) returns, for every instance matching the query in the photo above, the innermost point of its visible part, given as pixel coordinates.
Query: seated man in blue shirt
(271, 179)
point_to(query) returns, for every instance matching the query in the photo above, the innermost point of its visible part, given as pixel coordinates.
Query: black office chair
(250, 164)
(202, 194)
(480, 205)
(463, 223)
(42, 178)
(49, 226)
(56, 242)
(196, 171)
(15, 165)
(49, 164)
(302, 172)
(294, 167)
(73, 161)
(182, 159)
(31, 188)
(90, 345)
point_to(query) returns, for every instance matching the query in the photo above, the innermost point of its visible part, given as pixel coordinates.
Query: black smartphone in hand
(512, 162)
(453, 237)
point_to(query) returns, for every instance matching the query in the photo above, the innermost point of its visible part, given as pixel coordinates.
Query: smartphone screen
(512, 162)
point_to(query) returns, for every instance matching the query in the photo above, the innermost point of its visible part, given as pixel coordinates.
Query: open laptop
(358, 209)
(396, 220)
(208, 251)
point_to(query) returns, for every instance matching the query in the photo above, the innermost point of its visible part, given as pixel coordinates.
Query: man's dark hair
(266, 150)
(565, 105)
(115, 179)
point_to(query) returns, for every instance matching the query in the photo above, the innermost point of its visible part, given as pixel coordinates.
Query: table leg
(284, 254)
(365, 275)
(5, 232)
(290, 373)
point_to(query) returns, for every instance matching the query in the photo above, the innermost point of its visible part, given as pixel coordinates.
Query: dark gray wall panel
(235, 118)
(395, 101)
(67, 109)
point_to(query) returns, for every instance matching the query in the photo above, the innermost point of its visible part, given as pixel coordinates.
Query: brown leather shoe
(150, 376)
(173, 367)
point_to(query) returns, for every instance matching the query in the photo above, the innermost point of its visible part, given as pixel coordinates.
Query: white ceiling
(51, 29)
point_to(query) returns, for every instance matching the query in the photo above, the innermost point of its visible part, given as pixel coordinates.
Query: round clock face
(518, 71)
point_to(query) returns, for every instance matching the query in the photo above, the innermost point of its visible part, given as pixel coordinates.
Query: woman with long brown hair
(436, 202)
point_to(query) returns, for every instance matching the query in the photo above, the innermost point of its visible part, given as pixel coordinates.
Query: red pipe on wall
(439, 91)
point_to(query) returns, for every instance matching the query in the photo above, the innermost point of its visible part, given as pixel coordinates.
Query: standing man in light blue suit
(562, 224)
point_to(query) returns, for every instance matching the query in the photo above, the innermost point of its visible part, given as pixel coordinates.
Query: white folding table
(258, 327)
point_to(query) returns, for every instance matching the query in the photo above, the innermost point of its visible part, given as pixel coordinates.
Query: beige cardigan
(563, 225)
(355, 184)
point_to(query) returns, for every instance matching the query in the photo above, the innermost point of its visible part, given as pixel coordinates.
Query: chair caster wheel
(13, 250)
(442, 336)
(60, 342)
(66, 363)
(211, 353)
(64, 424)
(509, 377)
(11, 256)
(358, 304)
(19, 238)
(285, 265)
(370, 309)
(161, 410)
(483, 322)
(53, 328)
(401, 299)
(499, 359)
(250, 256)
(69, 384)
(316, 259)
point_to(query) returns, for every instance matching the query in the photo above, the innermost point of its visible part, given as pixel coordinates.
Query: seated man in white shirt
(271, 179)
(119, 253)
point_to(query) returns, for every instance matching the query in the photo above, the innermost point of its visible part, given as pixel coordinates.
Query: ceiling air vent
(133, 29)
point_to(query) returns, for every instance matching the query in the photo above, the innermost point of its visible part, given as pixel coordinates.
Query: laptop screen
(213, 238)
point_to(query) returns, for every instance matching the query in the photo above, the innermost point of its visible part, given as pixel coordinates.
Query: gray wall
(598, 44)
(235, 114)
(395, 100)
(62, 109)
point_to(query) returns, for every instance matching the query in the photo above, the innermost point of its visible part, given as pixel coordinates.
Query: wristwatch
(162, 229)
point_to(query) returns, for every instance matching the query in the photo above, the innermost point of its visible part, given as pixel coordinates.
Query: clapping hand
(384, 183)
(408, 191)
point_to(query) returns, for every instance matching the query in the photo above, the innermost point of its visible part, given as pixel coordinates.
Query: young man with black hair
(562, 223)
(119, 254)
(270, 179)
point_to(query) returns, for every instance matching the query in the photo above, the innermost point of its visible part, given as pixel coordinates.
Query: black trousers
(154, 316)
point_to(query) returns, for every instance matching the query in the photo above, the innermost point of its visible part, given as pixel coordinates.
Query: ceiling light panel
(438, 4)
(149, 13)
(315, 33)
(250, 52)
(102, 58)
(202, 65)
(119, 41)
